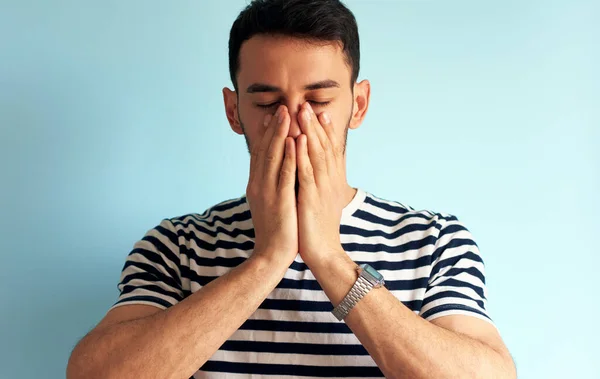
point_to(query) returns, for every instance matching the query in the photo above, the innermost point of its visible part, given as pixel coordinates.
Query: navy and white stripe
(429, 261)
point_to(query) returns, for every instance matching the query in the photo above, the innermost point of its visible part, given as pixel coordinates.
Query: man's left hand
(322, 185)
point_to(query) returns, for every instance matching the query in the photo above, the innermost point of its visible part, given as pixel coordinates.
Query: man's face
(278, 70)
(289, 65)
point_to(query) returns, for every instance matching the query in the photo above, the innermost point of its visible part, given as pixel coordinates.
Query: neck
(349, 195)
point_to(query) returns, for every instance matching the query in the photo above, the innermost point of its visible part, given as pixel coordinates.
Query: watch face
(371, 271)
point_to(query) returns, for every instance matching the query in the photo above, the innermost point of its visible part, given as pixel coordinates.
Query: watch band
(360, 288)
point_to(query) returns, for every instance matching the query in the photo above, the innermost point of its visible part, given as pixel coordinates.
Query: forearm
(175, 343)
(401, 343)
(406, 346)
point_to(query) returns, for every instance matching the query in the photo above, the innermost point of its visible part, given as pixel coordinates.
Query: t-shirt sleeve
(457, 282)
(151, 274)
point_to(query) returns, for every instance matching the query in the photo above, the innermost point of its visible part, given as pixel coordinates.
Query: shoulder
(225, 217)
(223, 210)
(401, 214)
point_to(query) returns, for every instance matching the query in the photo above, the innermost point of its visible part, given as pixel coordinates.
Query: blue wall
(111, 118)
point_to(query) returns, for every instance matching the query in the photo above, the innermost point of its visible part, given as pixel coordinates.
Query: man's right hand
(271, 190)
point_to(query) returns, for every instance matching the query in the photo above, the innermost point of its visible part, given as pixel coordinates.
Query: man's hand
(322, 183)
(270, 191)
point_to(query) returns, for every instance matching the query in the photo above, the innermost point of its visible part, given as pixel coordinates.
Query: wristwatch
(368, 278)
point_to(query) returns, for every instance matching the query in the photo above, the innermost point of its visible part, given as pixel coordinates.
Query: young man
(257, 286)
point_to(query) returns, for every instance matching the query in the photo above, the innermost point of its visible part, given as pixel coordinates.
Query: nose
(295, 130)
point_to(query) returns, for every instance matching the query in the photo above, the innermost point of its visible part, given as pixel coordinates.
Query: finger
(319, 131)
(329, 145)
(287, 175)
(323, 124)
(275, 154)
(316, 153)
(327, 126)
(305, 170)
(254, 153)
(263, 147)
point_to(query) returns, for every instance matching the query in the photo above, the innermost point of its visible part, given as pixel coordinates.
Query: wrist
(269, 259)
(326, 258)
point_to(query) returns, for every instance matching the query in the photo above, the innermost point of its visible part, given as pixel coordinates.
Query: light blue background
(111, 118)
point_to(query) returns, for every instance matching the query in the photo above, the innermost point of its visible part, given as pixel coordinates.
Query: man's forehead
(266, 60)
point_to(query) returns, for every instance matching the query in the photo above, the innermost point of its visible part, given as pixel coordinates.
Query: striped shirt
(429, 261)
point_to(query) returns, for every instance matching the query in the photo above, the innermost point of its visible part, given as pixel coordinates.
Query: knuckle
(270, 157)
(262, 148)
(287, 171)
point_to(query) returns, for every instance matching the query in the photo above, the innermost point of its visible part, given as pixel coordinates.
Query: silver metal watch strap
(360, 288)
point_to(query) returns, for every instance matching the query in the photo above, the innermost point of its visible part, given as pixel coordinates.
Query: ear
(362, 95)
(231, 110)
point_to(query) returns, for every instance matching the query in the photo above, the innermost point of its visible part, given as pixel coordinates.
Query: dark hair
(317, 20)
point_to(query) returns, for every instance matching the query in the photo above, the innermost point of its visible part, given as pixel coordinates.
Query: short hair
(315, 20)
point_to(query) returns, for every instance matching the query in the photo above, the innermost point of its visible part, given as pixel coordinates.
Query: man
(256, 286)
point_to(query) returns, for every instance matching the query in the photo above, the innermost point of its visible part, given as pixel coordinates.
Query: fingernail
(267, 120)
(307, 114)
(326, 118)
(280, 115)
(310, 110)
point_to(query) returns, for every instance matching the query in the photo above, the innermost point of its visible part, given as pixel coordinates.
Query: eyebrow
(261, 87)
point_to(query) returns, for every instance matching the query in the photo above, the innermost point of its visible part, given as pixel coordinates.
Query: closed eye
(317, 103)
